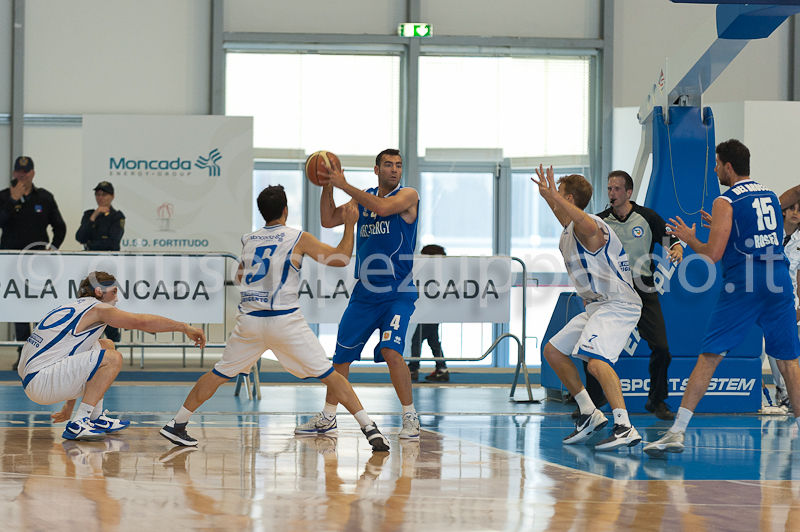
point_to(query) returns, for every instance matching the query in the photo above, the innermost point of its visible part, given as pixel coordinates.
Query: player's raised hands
(350, 213)
(680, 229)
(705, 219)
(546, 182)
(676, 253)
(331, 175)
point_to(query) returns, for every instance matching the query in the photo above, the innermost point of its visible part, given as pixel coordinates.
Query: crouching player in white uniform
(270, 317)
(65, 358)
(598, 268)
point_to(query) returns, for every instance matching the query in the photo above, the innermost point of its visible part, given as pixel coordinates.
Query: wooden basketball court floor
(482, 463)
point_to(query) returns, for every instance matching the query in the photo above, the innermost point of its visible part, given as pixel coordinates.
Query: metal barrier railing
(139, 342)
(137, 337)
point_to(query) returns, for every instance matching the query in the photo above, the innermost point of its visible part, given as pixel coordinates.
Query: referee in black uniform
(639, 228)
(101, 230)
(25, 213)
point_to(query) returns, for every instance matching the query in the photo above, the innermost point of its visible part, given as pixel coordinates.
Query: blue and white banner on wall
(184, 183)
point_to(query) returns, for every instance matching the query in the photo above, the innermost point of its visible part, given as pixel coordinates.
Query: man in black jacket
(25, 213)
(101, 230)
(639, 229)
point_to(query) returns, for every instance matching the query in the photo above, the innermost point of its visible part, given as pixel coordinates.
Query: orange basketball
(317, 161)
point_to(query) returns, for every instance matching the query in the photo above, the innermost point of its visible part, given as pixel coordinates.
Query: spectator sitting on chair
(429, 332)
(25, 213)
(101, 230)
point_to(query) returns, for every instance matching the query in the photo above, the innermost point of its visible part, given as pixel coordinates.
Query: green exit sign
(415, 30)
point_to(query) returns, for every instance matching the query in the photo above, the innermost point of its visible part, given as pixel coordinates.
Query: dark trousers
(429, 332)
(653, 330)
(22, 332)
(113, 334)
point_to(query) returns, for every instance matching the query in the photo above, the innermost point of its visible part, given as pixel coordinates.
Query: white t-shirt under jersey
(600, 276)
(269, 281)
(54, 338)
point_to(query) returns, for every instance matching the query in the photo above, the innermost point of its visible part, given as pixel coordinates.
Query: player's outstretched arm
(790, 197)
(143, 322)
(338, 256)
(722, 215)
(586, 229)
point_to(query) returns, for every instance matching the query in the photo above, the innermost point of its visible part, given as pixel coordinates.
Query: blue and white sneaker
(82, 430)
(319, 424)
(109, 424)
(410, 430)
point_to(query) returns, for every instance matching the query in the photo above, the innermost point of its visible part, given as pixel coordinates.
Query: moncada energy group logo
(125, 166)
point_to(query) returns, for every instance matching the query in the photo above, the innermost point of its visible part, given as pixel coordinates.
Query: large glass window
(348, 99)
(456, 211)
(292, 183)
(528, 106)
(347, 104)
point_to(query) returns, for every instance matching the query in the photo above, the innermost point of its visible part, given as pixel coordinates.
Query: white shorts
(66, 379)
(601, 332)
(288, 336)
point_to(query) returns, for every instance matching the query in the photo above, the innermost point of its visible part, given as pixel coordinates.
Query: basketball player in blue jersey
(746, 235)
(600, 272)
(384, 296)
(270, 317)
(65, 358)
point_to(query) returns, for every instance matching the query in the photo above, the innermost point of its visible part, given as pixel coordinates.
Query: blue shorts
(735, 313)
(390, 313)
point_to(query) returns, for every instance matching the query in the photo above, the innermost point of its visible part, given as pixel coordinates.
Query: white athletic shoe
(410, 430)
(318, 424)
(671, 442)
(621, 436)
(109, 424)
(585, 426)
(82, 430)
(781, 398)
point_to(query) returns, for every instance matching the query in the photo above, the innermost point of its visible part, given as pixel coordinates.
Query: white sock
(409, 408)
(621, 417)
(98, 410)
(363, 418)
(682, 419)
(84, 410)
(585, 402)
(183, 416)
(329, 411)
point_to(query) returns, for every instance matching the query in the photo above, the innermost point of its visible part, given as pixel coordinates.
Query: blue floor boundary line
(286, 378)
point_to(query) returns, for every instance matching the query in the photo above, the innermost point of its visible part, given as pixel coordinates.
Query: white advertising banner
(451, 290)
(184, 183)
(182, 288)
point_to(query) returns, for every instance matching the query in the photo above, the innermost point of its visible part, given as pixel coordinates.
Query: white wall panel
(57, 152)
(93, 56)
(648, 31)
(379, 17)
(577, 19)
(5, 155)
(6, 13)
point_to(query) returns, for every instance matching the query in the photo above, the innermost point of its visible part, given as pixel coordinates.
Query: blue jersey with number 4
(385, 247)
(757, 226)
